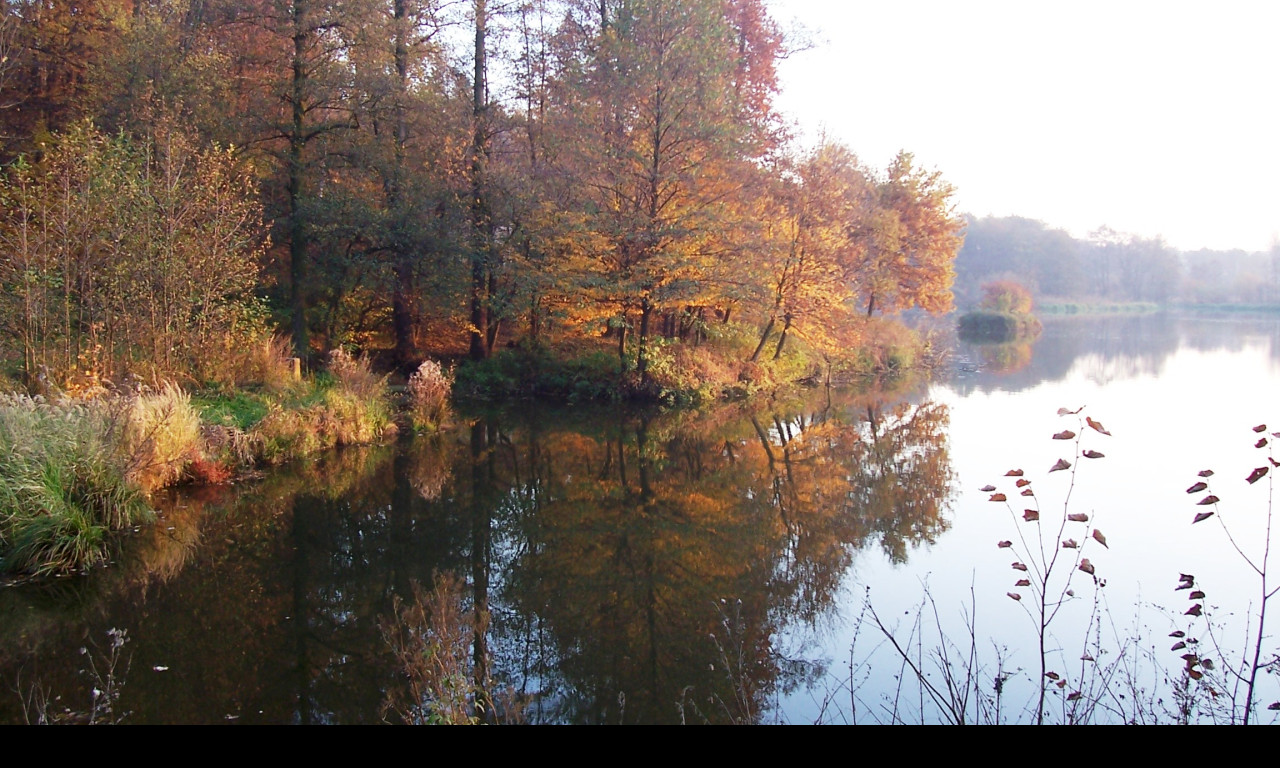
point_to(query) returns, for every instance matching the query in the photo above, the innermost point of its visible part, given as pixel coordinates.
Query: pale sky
(1151, 118)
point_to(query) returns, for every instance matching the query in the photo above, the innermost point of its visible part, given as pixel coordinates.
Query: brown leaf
(1087, 566)
(1190, 658)
(1052, 675)
(1078, 517)
(1028, 492)
(1260, 428)
(1262, 443)
(1022, 583)
(1013, 473)
(1182, 586)
(1074, 696)
(1092, 454)
(1178, 646)
(1065, 412)
(1177, 633)
(1197, 595)
(1194, 674)
(1071, 593)
(1194, 610)
(1186, 577)
(1023, 483)
(998, 497)
(1062, 464)
(1070, 544)
(1065, 434)
(1273, 706)
(1096, 425)
(987, 488)
(1005, 544)
(1207, 500)
(1030, 515)
(1201, 517)
(1256, 475)
(1274, 463)
(1205, 473)
(1098, 537)
(1014, 595)
(1198, 487)
(1061, 683)
(1086, 657)
(1018, 567)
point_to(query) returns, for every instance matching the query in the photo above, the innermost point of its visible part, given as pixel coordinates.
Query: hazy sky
(1151, 118)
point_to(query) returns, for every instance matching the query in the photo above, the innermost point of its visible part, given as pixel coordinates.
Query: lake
(724, 566)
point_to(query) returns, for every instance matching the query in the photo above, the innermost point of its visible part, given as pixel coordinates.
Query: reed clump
(429, 389)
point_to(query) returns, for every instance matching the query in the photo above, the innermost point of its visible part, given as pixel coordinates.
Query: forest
(600, 181)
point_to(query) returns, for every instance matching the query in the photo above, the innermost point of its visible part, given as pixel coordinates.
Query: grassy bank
(74, 470)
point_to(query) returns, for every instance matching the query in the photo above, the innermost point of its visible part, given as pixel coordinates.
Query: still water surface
(720, 566)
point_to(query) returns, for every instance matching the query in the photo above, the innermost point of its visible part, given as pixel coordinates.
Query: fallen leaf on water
(1198, 487)
(1065, 434)
(1062, 464)
(1200, 517)
(1098, 537)
(1078, 517)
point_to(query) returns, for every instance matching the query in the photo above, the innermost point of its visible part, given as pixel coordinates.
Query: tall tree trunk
(480, 220)
(402, 294)
(642, 355)
(297, 143)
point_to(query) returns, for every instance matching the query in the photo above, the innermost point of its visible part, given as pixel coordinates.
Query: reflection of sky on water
(1186, 403)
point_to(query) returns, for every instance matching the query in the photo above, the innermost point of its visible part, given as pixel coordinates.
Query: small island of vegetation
(1004, 315)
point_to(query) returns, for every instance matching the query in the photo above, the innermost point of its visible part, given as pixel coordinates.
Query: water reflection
(632, 567)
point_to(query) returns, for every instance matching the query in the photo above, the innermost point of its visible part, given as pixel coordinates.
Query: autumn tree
(652, 99)
(909, 242)
(812, 248)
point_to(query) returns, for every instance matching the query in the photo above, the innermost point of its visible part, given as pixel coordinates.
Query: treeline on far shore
(1108, 269)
